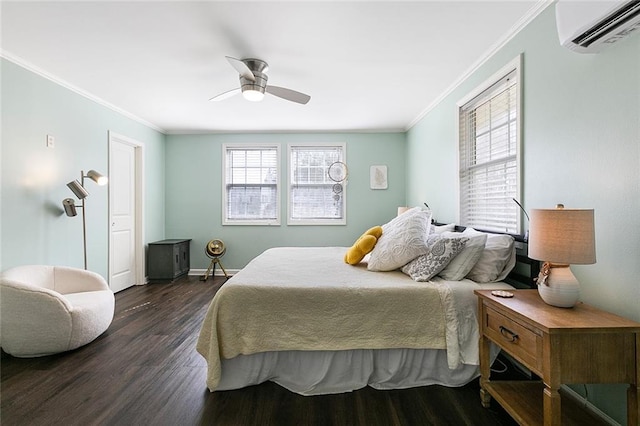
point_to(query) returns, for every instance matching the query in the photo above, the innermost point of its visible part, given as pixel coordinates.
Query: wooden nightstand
(577, 345)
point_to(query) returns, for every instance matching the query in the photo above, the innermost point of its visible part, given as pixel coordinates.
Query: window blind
(251, 185)
(313, 198)
(488, 137)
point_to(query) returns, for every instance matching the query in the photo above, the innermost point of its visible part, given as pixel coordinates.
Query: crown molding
(515, 29)
(55, 79)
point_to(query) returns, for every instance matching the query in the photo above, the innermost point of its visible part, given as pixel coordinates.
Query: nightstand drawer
(520, 341)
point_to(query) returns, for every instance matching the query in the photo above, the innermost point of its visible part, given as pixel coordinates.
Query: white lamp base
(560, 288)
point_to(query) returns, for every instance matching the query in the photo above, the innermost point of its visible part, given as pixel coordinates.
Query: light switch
(50, 141)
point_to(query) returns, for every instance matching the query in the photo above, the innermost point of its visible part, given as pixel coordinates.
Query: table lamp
(402, 210)
(560, 237)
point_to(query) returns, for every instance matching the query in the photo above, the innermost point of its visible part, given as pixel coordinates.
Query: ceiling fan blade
(288, 94)
(225, 95)
(242, 68)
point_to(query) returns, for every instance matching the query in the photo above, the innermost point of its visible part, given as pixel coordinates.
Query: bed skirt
(327, 372)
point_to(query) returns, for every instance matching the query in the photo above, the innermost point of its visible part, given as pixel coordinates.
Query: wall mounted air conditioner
(589, 27)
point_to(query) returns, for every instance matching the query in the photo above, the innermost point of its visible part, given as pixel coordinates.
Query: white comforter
(308, 299)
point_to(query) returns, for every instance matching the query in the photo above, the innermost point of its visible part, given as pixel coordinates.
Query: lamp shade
(69, 207)
(402, 210)
(78, 189)
(97, 177)
(563, 236)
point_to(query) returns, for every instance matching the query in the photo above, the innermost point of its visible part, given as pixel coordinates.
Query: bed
(304, 318)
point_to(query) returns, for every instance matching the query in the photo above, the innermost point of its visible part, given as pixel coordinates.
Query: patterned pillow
(403, 239)
(441, 251)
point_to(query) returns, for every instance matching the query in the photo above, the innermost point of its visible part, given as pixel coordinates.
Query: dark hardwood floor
(144, 370)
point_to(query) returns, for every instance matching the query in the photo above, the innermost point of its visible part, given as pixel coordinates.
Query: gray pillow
(460, 266)
(497, 253)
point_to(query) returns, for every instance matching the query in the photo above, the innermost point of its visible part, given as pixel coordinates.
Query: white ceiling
(368, 65)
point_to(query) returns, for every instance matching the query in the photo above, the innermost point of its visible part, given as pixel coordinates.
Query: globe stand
(215, 249)
(211, 270)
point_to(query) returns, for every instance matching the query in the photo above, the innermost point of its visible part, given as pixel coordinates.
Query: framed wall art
(378, 177)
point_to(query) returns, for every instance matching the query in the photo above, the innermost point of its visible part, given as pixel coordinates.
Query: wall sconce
(79, 191)
(561, 237)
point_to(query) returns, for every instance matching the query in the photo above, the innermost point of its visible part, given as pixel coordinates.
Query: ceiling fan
(253, 83)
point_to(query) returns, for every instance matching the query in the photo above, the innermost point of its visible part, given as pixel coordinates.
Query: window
(250, 193)
(489, 139)
(314, 198)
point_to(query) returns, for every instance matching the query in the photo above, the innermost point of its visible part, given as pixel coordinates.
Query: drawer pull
(513, 337)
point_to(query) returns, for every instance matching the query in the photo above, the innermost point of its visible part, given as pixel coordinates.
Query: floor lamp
(79, 191)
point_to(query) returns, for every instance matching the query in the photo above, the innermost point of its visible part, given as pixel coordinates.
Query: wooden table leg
(485, 362)
(633, 405)
(552, 406)
(633, 393)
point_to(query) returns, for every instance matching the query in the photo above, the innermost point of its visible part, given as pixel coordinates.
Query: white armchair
(50, 309)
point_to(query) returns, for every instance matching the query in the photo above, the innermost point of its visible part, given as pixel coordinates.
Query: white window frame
(249, 146)
(310, 221)
(514, 66)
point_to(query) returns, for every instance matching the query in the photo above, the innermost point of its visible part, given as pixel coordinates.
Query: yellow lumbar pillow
(376, 231)
(363, 245)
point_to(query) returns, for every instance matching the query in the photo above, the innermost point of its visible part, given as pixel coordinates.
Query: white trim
(456, 111)
(345, 183)
(140, 277)
(514, 65)
(285, 131)
(258, 222)
(57, 80)
(518, 26)
(218, 272)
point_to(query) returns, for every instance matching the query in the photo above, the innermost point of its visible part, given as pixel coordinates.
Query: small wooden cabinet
(168, 259)
(577, 345)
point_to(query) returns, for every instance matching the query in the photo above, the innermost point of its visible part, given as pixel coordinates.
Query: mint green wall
(34, 228)
(581, 147)
(194, 193)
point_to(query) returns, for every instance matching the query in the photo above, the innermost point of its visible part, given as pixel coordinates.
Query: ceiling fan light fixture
(253, 95)
(254, 90)
(253, 83)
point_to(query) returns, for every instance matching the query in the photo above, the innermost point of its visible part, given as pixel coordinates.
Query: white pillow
(403, 239)
(441, 251)
(460, 265)
(497, 253)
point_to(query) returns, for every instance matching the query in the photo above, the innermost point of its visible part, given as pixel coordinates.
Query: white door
(122, 206)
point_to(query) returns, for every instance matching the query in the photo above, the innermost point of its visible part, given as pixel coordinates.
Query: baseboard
(201, 272)
(588, 406)
(218, 272)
